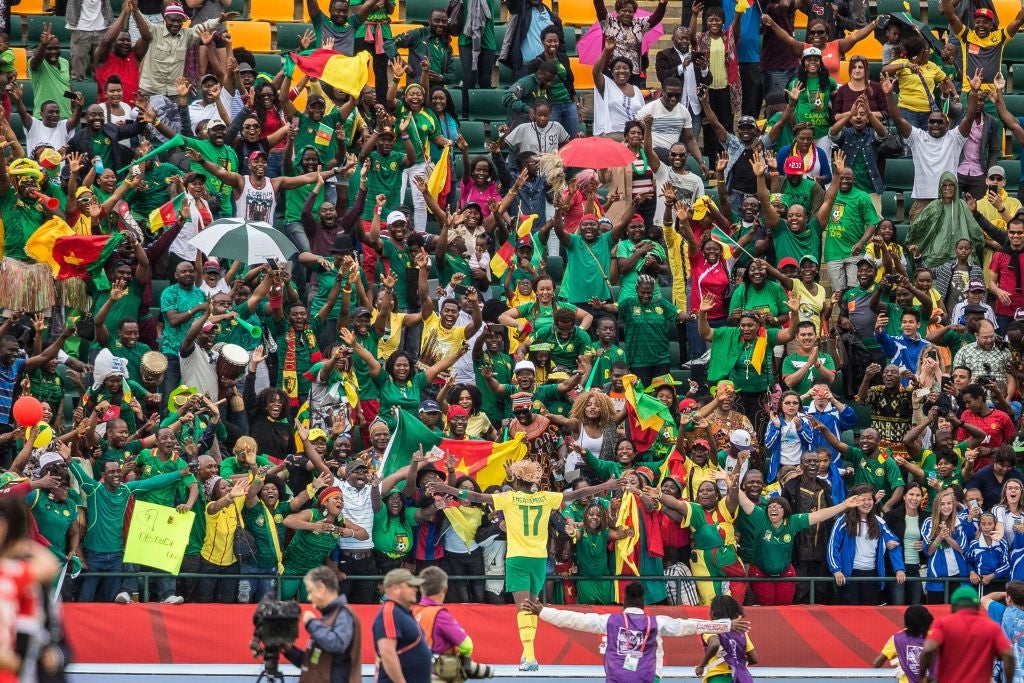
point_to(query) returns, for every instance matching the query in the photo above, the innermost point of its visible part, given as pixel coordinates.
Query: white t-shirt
(668, 125)
(199, 112)
(867, 548)
(932, 158)
(1007, 519)
(688, 187)
(359, 509)
(39, 134)
(528, 137)
(91, 17)
(613, 110)
(199, 370)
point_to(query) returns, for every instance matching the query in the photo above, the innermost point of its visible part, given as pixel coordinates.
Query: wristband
(405, 136)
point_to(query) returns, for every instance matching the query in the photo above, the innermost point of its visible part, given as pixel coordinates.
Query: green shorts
(525, 574)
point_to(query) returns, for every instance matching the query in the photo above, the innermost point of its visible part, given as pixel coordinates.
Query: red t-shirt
(996, 424)
(708, 279)
(17, 600)
(968, 643)
(125, 68)
(1000, 266)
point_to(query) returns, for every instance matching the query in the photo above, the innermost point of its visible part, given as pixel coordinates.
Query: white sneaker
(123, 598)
(244, 591)
(173, 600)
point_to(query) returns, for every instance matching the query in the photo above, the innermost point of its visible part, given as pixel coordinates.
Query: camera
(275, 627)
(476, 669)
(986, 380)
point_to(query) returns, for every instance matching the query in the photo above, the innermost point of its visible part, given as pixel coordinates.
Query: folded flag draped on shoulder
(166, 214)
(484, 460)
(502, 258)
(348, 74)
(440, 182)
(647, 415)
(83, 256)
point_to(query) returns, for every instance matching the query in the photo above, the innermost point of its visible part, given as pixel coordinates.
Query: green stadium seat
(457, 65)
(88, 90)
(896, 6)
(899, 174)
(890, 205)
(800, 34)
(456, 95)
(901, 232)
(863, 415)
(115, 6)
(936, 19)
(556, 268)
(473, 131)
(17, 127)
(267, 64)
(499, 34)
(1014, 104)
(17, 34)
(1014, 52)
(680, 375)
(569, 34)
(1012, 167)
(27, 95)
(486, 105)
(674, 355)
(288, 34)
(1017, 72)
(505, 76)
(57, 26)
(418, 11)
(158, 287)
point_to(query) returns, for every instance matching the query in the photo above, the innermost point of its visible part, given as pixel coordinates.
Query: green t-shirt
(541, 316)
(813, 105)
(774, 551)
(798, 194)
(306, 136)
(423, 129)
(174, 298)
(795, 361)
(587, 268)
(151, 465)
(487, 39)
(229, 467)
(119, 454)
(295, 199)
(565, 352)
(739, 360)
(493, 406)
(449, 265)
(647, 331)
(154, 193)
(263, 525)
(399, 260)
(393, 535)
(796, 244)
(324, 282)
(54, 517)
(603, 363)
(125, 307)
(223, 156)
(20, 221)
(881, 472)
(852, 214)
(771, 299)
(405, 395)
(231, 332)
(367, 387)
(627, 280)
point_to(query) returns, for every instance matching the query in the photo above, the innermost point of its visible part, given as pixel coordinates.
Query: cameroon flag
(40, 245)
(348, 74)
(84, 256)
(502, 258)
(647, 415)
(483, 460)
(166, 214)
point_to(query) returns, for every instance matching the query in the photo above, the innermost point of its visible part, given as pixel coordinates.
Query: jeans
(567, 114)
(753, 89)
(208, 588)
(106, 588)
(275, 168)
(257, 587)
(909, 593)
(172, 378)
(300, 275)
(776, 81)
(419, 205)
(860, 592)
(917, 119)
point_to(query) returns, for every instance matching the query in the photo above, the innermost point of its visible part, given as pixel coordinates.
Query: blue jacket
(938, 563)
(837, 423)
(989, 559)
(842, 547)
(1017, 559)
(865, 142)
(902, 351)
(773, 444)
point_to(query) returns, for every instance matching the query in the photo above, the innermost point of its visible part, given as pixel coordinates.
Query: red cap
(687, 404)
(985, 12)
(637, 218)
(257, 153)
(794, 165)
(702, 442)
(457, 411)
(788, 261)
(589, 217)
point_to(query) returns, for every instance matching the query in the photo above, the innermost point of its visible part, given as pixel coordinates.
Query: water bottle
(97, 163)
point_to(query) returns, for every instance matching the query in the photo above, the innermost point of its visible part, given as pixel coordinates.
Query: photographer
(451, 645)
(333, 637)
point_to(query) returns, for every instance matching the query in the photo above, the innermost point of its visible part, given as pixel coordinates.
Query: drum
(26, 286)
(153, 365)
(231, 362)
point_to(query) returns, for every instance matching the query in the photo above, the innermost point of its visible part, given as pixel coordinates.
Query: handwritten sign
(157, 536)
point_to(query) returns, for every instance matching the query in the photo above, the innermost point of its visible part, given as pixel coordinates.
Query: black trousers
(481, 77)
(465, 564)
(752, 81)
(860, 592)
(358, 592)
(718, 98)
(822, 590)
(217, 590)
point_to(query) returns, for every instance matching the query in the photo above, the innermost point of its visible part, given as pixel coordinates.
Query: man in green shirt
(796, 188)
(180, 303)
(851, 224)
(807, 363)
(871, 464)
(392, 249)
(386, 167)
(162, 459)
(432, 43)
(215, 150)
(588, 258)
(341, 26)
(529, 88)
(647, 321)
(488, 353)
(604, 351)
(104, 545)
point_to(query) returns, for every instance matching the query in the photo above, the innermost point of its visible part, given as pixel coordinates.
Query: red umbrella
(596, 153)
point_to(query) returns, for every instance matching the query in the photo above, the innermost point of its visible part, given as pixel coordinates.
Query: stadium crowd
(724, 357)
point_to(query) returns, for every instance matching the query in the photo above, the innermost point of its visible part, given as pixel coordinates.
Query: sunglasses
(817, 32)
(997, 178)
(522, 411)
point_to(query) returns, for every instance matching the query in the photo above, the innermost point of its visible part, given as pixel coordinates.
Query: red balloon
(27, 411)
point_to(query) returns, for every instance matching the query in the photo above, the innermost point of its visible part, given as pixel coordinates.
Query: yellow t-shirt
(912, 93)
(889, 650)
(717, 65)
(718, 666)
(389, 344)
(810, 304)
(438, 342)
(219, 544)
(526, 520)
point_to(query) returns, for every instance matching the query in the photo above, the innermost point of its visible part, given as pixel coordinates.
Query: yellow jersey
(526, 520)
(718, 666)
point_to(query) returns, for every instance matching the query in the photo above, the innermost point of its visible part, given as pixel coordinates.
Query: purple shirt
(447, 632)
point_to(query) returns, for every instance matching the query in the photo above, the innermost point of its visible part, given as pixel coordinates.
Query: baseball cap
(316, 434)
(984, 12)
(397, 217)
(257, 153)
(360, 311)
(687, 404)
(211, 266)
(397, 577)
(964, 595)
(214, 122)
(740, 439)
(976, 286)
(525, 365)
(314, 98)
(809, 257)
(997, 170)
(354, 463)
(788, 261)
(206, 77)
(246, 68)
(811, 52)
(523, 242)
(429, 406)
(866, 260)
(702, 442)
(746, 121)
(794, 165)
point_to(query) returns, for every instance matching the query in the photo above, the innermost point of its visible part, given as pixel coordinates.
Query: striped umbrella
(252, 242)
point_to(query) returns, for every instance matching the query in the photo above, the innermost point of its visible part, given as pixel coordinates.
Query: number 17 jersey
(526, 520)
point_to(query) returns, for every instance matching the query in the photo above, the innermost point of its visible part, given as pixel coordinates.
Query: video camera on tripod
(275, 627)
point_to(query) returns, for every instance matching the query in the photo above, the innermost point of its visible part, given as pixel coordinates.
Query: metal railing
(146, 578)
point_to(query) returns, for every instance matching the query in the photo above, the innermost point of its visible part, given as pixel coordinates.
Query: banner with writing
(157, 536)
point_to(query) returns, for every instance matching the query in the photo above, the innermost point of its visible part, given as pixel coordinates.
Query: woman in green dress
(592, 557)
(316, 534)
(540, 314)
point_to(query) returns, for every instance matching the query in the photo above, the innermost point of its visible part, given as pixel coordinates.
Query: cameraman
(448, 641)
(333, 638)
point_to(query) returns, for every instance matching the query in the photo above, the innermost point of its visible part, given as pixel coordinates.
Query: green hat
(964, 595)
(179, 396)
(809, 257)
(662, 381)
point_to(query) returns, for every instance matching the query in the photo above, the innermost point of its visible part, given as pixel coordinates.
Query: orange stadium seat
(271, 10)
(21, 62)
(32, 7)
(582, 74)
(253, 35)
(577, 12)
(800, 21)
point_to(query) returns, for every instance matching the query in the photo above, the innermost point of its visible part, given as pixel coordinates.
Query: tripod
(271, 671)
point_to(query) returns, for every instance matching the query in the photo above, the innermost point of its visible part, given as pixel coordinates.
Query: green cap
(964, 595)
(809, 257)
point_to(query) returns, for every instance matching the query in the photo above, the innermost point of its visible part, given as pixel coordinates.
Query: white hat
(740, 439)
(811, 52)
(397, 217)
(49, 458)
(525, 365)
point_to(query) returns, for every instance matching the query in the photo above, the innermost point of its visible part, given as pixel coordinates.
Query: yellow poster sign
(157, 536)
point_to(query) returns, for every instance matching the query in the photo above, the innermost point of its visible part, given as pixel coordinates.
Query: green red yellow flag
(84, 256)
(502, 258)
(40, 244)
(166, 214)
(348, 74)
(323, 136)
(646, 414)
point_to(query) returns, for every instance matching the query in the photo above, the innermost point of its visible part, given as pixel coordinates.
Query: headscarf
(211, 485)
(940, 225)
(107, 364)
